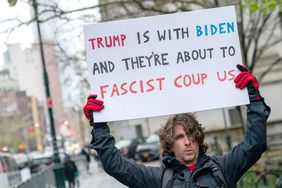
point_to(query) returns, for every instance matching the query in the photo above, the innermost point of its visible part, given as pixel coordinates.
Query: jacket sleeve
(126, 171)
(245, 154)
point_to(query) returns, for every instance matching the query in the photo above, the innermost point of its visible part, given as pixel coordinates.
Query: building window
(234, 116)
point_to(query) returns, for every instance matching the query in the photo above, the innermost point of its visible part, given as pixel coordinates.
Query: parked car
(39, 161)
(10, 175)
(122, 146)
(150, 150)
(128, 147)
(21, 160)
(131, 154)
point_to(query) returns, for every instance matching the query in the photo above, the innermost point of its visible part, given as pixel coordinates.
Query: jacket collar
(171, 162)
(202, 158)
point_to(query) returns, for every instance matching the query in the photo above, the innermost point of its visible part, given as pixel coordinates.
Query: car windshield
(122, 143)
(152, 138)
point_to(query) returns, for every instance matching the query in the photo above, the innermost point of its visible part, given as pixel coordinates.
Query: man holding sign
(163, 65)
(185, 163)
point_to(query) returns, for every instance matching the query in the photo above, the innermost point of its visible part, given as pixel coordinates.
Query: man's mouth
(188, 151)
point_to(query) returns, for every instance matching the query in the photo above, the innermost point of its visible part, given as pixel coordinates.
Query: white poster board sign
(166, 64)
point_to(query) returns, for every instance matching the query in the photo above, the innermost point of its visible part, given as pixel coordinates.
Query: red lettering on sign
(189, 79)
(133, 87)
(226, 75)
(107, 41)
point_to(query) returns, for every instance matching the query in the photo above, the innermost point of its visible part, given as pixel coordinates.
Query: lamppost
(58, 169)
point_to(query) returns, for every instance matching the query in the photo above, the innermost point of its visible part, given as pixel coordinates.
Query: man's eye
(179, 137)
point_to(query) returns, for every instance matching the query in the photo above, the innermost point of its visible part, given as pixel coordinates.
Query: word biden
(211, 29)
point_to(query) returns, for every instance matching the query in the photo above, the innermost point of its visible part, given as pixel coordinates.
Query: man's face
(185, 149)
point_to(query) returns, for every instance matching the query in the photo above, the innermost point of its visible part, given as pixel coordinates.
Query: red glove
(92, 105)
(246, 79)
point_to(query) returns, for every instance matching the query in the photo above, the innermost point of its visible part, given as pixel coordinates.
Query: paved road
(97, 178)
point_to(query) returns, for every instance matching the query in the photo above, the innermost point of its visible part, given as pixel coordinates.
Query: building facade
(25, 66)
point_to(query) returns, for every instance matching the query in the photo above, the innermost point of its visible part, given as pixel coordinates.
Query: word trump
(107, 41)
(134, 87)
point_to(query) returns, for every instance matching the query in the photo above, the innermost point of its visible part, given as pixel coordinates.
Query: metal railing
(270, 177)
(44, 178)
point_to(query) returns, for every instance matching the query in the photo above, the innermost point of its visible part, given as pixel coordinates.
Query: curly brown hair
(191, 126)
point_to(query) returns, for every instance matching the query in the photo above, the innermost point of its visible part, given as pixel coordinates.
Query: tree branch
(269, 68)
(256, 41)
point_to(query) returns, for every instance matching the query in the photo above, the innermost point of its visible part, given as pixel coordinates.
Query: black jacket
(233, 165)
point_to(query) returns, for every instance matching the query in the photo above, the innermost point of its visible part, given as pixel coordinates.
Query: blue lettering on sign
(213, 29)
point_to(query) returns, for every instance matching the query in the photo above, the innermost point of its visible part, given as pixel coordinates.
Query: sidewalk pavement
(97, 178)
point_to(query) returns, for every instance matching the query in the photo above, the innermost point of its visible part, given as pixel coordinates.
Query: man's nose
(187, 140)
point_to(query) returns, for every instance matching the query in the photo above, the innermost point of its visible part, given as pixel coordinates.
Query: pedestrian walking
(70, 171)
(185, 163)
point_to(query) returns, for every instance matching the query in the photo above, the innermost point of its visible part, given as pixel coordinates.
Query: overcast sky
(23, 35)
